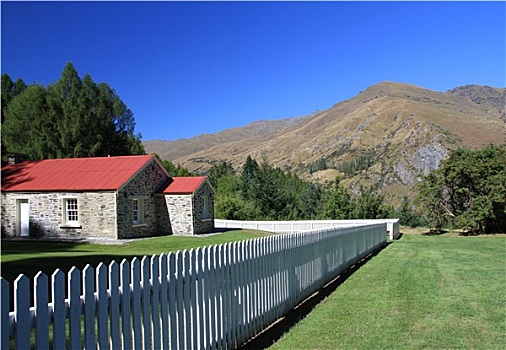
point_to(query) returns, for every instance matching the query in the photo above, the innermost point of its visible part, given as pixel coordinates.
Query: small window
(137, 211)
(205, 208)
(71, 211)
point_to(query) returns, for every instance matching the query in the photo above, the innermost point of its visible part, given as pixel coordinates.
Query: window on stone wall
(205, 208)
(137, 211)
(71, 212)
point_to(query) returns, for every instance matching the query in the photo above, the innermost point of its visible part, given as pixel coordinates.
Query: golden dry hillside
(389, 135)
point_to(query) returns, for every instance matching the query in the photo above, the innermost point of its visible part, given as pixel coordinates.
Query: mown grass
(29, 258)
(431, 292)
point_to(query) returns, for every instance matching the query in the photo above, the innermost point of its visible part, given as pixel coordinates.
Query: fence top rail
(349, 221)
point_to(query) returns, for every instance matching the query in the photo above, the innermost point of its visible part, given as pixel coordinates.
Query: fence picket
(187, 300)
(155, 301)
(22, 311)
(224, 295)
(74, 294)
(200, 299)
(164, 313)
(172, 300)
(136, 303)
(205, 300)
(89, 307)
(193, 298)
(145, 302)
(231, 297)
(179, 300)
(41, 300)
(4, 318)
(114, 303)
(102, 306)
(58, 299)
(248, 277)
(240, 293)
(212, 295)
(126, 296)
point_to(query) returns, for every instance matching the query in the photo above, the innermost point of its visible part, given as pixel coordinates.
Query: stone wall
(143, 186)
(180, 209)
(96, 214)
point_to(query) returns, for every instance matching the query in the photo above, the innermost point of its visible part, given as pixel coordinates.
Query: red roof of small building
(72, 174)
(182, 185)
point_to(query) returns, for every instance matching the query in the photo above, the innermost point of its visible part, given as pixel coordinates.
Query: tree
(338, 204)
(218, 170)
(468, 190)
(25, 123)
(70, 118)
(9, 91)
(370, 205)
(431, 199)
(172, 169)
(407, 214)
(250, 178)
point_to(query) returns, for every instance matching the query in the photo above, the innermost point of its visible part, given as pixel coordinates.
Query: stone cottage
(107, 197)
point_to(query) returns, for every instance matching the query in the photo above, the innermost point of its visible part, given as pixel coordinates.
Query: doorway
(23, 223)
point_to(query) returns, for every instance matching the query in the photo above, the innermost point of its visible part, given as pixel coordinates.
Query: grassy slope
(31, 257)
(433, 292)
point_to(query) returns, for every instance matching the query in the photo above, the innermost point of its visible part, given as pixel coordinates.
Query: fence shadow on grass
(272, 334)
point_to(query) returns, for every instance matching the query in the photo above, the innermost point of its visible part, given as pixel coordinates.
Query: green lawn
(31, 257)
(431, 292)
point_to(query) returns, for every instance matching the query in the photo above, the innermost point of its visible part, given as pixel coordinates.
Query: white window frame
(71, 211)
(137, 211)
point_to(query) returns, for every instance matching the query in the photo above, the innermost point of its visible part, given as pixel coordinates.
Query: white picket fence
(217, 297)
(307, 225)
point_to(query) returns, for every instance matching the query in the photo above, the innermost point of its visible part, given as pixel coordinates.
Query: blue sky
(189, 68)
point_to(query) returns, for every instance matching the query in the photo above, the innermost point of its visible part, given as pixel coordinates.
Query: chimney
(15, 158)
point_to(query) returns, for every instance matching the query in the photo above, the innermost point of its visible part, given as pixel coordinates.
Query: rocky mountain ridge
(389, 135)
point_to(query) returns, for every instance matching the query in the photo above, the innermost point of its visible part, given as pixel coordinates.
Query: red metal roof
(181, 185)
(72, 174)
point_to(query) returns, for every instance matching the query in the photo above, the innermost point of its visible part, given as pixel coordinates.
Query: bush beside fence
(212, 298)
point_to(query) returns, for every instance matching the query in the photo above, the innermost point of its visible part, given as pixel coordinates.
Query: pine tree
(70, 118)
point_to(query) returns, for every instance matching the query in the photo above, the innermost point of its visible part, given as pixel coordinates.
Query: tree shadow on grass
(274, 332)
(434, 232)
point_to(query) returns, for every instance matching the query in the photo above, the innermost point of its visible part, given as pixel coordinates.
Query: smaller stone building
(190, 203)
(106, 197)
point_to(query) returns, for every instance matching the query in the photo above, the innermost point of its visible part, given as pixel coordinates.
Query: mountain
(388, 135)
